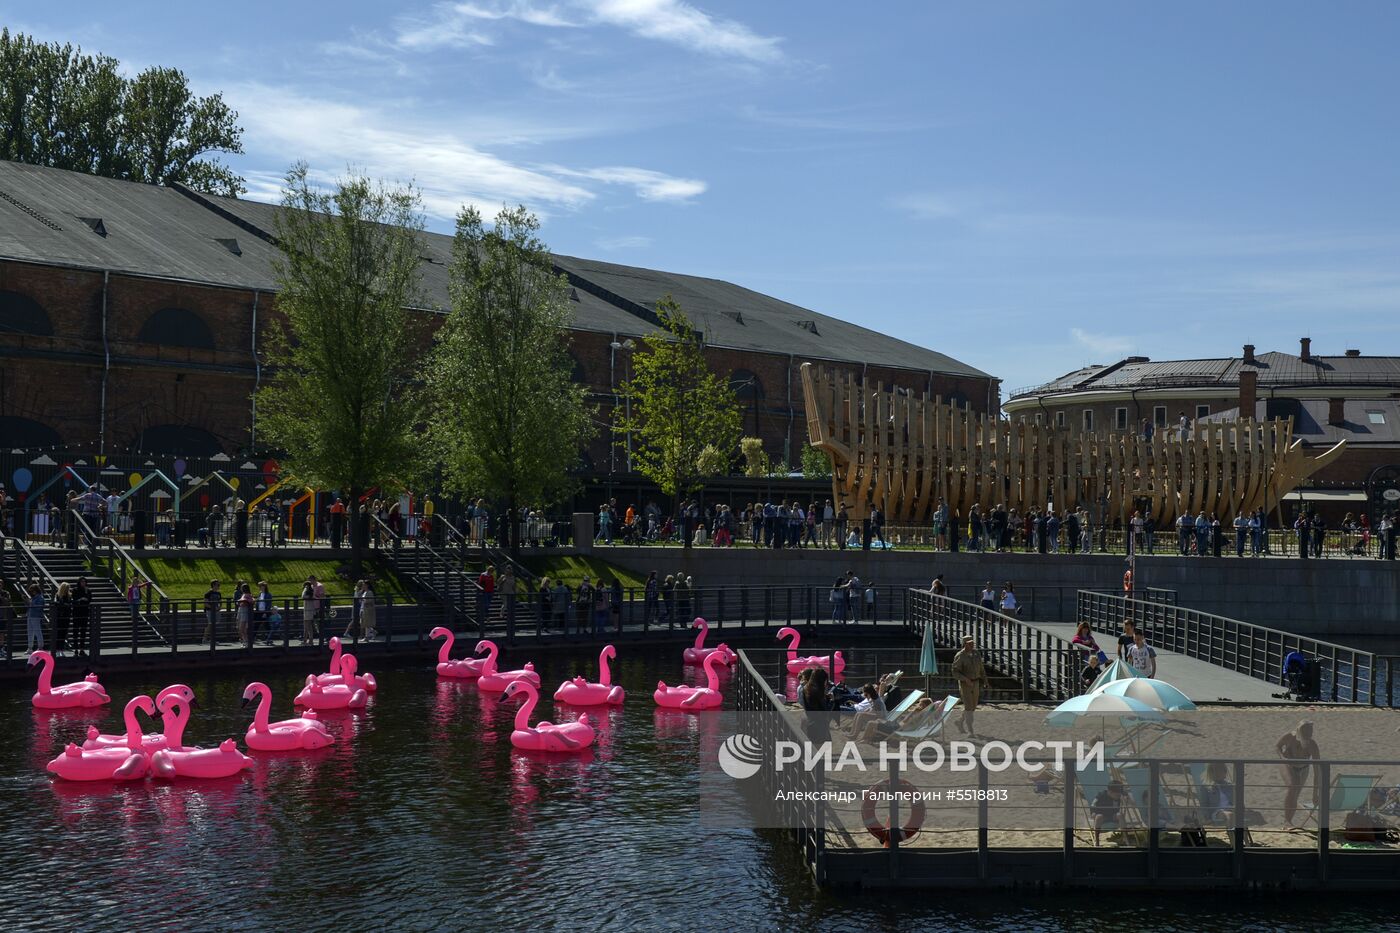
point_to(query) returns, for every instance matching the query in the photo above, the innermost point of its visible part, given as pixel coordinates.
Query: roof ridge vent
(735, 316)
(230, 244)
(808, 325)
(573, 294)
(30, 211)
(96, 224)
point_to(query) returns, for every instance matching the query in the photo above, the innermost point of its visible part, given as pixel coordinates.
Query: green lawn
(573, 569)
(188, 577)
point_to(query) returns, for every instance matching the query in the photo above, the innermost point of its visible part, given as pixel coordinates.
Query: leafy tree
(711, 462)
(508, 421)
(815, 463)
(66, 109)
(679, 406)
(755, 458)
(342, 402)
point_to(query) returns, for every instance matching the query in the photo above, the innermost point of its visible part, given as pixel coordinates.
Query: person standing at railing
(811, 526)
(685, 593)
(601, 599)
(82, 607)
(34, 637)
(337, 523)
(854, 591)
(838, 601)
(213, 600)
(843, 521)
(1303, 530)
(1319, 532)
(1184, 525)
(1052, 531)
(134, 592)
(243, 613)
(1009, 605)
(583, 605)
(486, 588)
(1202, 526)
(1086, 532)
(651, 599)
(828, 523)
(308, 611)
(1071, 531)
(62, 617)
(1241, 532)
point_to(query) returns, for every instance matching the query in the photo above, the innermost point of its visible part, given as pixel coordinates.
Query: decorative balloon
(22, 478)
(180, 467)
(134, 479)
(233, 482)
(204, 500)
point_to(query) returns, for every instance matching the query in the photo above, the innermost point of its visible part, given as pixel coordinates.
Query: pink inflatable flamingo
(176, 761)
(465, 669)
(85, 693)
(151, 742)
(304, 732)
(546, 736)
(684, 697)
(579, 692)
(698, 652)
(334, 696)
(336, 674)
(116, 763)
(494, 681)
(796, 664)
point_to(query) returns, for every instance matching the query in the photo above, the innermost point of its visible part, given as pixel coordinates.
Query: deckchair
(1196, 781)
(904, 704)
(1137, 777)
(930, 722)
(1088, 784)
(1349, 792)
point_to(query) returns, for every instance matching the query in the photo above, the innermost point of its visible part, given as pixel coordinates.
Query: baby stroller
(1302, 676)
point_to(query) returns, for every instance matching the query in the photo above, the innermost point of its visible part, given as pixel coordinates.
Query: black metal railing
(1348, 675)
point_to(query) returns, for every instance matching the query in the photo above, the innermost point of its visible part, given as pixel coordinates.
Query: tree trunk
(512, 530)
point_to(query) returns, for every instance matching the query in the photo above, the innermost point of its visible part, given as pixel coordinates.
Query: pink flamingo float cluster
(134, 754)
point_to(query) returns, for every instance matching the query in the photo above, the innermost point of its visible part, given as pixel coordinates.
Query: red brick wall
(58, 381)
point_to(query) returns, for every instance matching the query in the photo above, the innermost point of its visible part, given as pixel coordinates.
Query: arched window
(745, 385)
(22, 432)
(957, 398)
(20, 314)
(176, 327)
(578, 374)
(183, 440)
(749, 389)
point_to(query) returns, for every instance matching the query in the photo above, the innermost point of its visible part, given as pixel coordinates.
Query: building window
(176, 327)
(1120, 418)
(1088, 420)
(1059, 419)
(20, 314)
(1159, 416)
(1375, 417)
(1202, 411)
(1040, 417)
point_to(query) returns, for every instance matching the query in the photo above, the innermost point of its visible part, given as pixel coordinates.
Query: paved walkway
(1200, 680)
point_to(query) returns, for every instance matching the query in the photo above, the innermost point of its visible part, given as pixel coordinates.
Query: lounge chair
(904, 705)
(1349, 792)
(930, 722)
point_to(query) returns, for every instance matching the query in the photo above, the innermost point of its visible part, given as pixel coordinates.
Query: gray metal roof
(1274, 369)
(167, 233)
(1310, 420)
(48, 216)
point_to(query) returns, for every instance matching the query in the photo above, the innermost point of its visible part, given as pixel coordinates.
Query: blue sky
(1026, 186)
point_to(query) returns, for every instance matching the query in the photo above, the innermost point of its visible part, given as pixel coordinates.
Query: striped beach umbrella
(1102, 706)
(1157, 694)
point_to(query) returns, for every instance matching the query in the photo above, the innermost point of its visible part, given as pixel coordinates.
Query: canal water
(421, 816)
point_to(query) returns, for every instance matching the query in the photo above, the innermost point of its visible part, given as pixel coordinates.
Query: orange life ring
(879, 829)
(1127, 581)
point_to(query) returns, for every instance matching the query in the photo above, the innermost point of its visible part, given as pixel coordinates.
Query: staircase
(108, 601)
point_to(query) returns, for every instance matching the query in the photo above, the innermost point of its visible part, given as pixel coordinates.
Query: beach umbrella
(1157, 694)
(1116, 670)
(1103, 706)
(928, 658)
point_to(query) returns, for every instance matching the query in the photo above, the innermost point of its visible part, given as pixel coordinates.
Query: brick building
(135, 318)
(1350, 397)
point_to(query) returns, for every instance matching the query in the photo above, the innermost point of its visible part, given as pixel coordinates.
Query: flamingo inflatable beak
(244, 704)
(32, 661)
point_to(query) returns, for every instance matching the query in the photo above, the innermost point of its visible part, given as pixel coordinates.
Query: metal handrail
(1244, 647)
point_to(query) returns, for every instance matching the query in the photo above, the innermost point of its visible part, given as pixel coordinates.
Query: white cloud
(448, 171)
(1101, 343)
(458, 25)
(649, 185)
(928, 206)
(612, 243)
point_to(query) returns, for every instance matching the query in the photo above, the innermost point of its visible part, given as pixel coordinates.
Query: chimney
(1249, 382)
(1249, 353)
(1305, 354)
(1335, 415)
(1353, 354)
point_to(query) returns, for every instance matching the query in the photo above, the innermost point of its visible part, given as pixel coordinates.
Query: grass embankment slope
(188, 577)
(573, 569)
